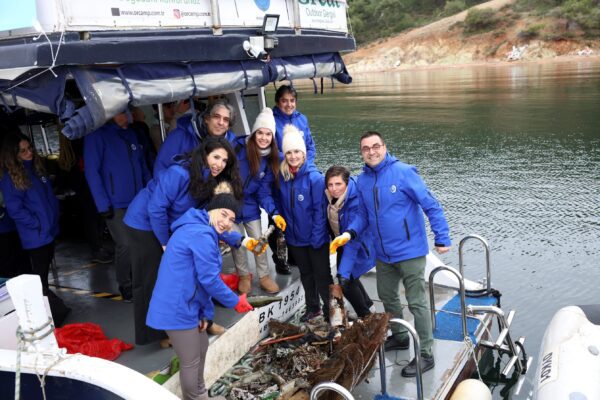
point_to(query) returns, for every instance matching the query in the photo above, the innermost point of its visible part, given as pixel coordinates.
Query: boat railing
(417, 350)
(504, 342)
(461, 292)
(336, 387)
(486, 246)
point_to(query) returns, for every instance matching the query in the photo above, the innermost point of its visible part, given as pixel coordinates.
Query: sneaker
(102, 256)
(309, 315)
(427, 363)
(224, 248)
(126, 294)
(391, 343)
(283, 269)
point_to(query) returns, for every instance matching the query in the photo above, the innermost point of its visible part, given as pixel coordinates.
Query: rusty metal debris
(296, 357)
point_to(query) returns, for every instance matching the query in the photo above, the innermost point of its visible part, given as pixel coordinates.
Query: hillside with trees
(408, 33)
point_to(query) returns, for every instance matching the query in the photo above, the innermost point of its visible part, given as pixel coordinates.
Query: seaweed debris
(294, 358)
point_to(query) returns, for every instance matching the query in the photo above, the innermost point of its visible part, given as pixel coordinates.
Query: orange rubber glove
(338, 242)
(243, 306)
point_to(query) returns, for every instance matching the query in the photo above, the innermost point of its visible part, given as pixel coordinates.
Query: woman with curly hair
(31, 203)
(189, 183)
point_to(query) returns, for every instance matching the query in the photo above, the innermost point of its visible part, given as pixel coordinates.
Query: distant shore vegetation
(372, 20)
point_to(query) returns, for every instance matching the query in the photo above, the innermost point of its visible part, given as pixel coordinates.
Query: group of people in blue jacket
(208, 186)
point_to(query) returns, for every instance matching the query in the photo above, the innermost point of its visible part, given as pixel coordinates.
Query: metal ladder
(504, 343)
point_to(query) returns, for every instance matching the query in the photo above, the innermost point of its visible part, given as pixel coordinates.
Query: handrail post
(216, 18)
(417, 346)
(487, 257)
(461, 291)
(161, 122)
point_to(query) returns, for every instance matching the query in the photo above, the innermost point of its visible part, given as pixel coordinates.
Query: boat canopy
(86, 61)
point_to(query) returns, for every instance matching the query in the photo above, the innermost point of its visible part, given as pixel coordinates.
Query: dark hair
(368, 134)
(202, 189)
(337, 170)
(220, 103)
(10, 161)
(284, 89)
(254, 157)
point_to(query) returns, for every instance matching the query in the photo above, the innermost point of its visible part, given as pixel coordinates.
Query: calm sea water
(511, 152)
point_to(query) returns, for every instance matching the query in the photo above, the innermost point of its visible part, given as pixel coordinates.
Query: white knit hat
(264, 120)
(293, 139)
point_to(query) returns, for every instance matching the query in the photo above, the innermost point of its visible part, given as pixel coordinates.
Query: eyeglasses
(366, 149)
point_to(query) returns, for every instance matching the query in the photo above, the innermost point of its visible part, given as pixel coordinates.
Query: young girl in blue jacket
(31, 203)
(188, 279)
(259, 165)
(302, 203)
(184, 185)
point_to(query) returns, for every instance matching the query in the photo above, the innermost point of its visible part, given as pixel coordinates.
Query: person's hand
(243, 306)
(336, 291)
(252, 244)
(442, 249)
(202, 325)
(338, 242)
(108, 214)
(279, 222)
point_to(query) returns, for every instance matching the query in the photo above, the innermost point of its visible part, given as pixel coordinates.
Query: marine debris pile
(296, 357)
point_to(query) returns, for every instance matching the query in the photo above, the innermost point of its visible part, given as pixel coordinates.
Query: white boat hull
(569, 366)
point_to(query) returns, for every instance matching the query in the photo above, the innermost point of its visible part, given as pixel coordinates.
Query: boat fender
(471, 389)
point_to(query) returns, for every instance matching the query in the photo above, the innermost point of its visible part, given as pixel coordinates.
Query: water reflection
(512, 153)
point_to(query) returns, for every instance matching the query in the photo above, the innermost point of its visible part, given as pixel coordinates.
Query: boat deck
(91, 291)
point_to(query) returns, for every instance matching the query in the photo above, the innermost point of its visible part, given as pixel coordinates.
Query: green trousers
(412, 274)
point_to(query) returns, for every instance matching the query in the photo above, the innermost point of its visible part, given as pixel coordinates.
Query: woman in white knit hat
(303, 204)
(258, 160)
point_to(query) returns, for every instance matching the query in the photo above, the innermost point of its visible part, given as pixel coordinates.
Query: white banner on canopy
(127, 14)
(252, 12)
(323, 14)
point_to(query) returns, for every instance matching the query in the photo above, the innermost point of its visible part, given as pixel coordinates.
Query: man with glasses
(217, 120)
(394, 198)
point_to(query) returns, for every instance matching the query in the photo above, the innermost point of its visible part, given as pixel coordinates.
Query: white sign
(252, 12)
(292, 301)
(122, 14)
(323, 14)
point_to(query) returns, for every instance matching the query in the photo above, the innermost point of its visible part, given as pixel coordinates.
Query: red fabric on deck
(87, 338)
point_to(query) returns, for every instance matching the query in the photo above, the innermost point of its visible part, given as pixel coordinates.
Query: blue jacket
(136, 215)
(257, 189)
(114, 165)
(170, 200)
(359, 253)
(189, 276)
(299, 121)
(34, 210)
(182, 139)
(394, 198)
(303, 204)
(163, 201)
(6, 222)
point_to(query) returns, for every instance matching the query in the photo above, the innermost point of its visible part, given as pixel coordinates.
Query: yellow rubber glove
(338, 242)
(254, 245)
(250, 243)
(279, 222)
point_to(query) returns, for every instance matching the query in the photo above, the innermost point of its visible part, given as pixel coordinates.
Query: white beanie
(264, 120)
(293, 139)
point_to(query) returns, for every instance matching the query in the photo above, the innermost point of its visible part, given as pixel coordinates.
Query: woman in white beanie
(258, 160)
(303, 205)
